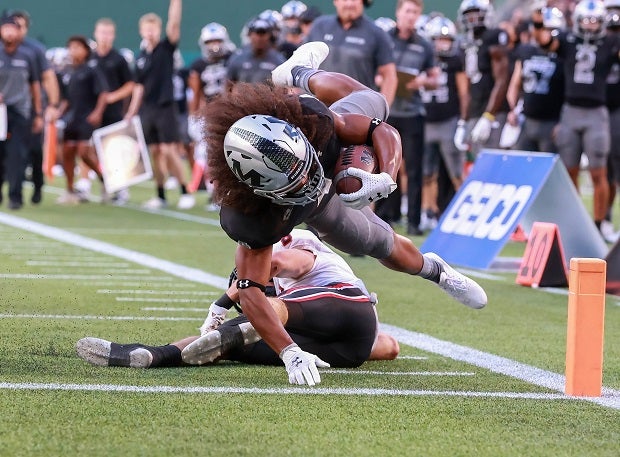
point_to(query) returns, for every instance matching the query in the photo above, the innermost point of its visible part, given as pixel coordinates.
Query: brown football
(357, 156)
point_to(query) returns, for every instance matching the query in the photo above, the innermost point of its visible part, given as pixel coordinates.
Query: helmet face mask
(275, 159)
(442, 32)
(475, 15)
(213, 41)
(589, 19)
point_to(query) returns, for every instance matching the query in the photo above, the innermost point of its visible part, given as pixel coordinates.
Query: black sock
(301, 75)
(161, 193)
(165, 356)
(183, 189)
(598, 224)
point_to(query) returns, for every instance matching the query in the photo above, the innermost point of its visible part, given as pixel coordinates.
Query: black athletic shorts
(159, 124)
(337, 323)
(78, 131)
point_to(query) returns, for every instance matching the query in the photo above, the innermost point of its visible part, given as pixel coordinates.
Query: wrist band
(371, 128)
(247, 283)
(224, 302)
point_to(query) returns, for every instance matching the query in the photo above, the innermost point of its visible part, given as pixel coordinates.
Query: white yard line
(97, 317)
(72, 277)
(162, 300)
(282, 391)
(156, 292)
(401, 373)
(181, 310)
(496, 364)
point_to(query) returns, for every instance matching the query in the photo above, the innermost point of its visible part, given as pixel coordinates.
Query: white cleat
(458, 286)
(108, 354)
(309, 55)
(155, 203)
(186, 201)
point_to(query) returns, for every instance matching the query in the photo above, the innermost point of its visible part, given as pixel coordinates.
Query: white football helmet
(214, 41)
(589, 12)
(474, 14)
(275, 159)
(613, 13)
(442, 27)
(293, 9)
(553, 19)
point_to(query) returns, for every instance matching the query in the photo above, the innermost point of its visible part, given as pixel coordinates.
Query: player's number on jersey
(585, 62)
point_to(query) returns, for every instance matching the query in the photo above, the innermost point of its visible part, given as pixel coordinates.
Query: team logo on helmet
(275, 159)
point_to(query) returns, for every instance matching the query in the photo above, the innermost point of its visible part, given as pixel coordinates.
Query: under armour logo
(296, 362)
(243, 283)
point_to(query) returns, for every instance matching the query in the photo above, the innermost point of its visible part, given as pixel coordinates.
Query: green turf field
(468, 383)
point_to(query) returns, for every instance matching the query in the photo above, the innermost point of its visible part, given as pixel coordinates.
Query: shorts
(439, 139)
(583, 130)
(182, 123)
(367, 101)
(159, 124)
(356, 232)
(336, 323)
(78, 131)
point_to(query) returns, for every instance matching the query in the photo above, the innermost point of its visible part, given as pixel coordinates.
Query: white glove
(217, 315)
(482, 130)
(301, 366)
(459, 136)
(194, 128)
(374, 187)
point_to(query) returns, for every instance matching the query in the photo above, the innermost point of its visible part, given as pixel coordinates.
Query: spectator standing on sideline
(20, 91)
(50, 98)
(84, 98)
(588, 53)
(256, 60)
(486, 65)
(357, 47)
(414, 57)
(536, 89)
(153, 96)
(119, 78)
(444, 106)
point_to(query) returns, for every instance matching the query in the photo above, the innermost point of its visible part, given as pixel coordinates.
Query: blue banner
(487, 208)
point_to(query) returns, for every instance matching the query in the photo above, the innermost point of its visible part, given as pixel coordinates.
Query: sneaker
(428, 221)
(607, 230)
(309, 55)
(217, 343)
(13, 204)
(106, 198)
(108, 354)
(68, 198)
(155, 203)
(187, 201)
(36, 197)
(212, 322)
(460, 287)
(120, 197)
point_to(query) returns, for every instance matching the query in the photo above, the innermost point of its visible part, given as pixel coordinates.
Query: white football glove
(194, 128)
(482, 130)
(374, 187)
(215, 318)
(301, 366)
(460, 134)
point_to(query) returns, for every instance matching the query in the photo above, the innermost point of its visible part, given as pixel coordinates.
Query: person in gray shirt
(20, 90)
(357, 47)
(254, 62)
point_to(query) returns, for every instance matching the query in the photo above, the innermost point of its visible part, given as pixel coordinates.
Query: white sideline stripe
(97, 318)
(508, 367)
(281, 391)
(193, 310)
(190, 274)
(494, 363)
(175, 215)
(155, 292)
(86, 277)
(55, 263)
(480, 274)
(401, 373)
(64, 258)
(412, 357)
(162, 300)
(555, 290)
(141, 231)
(138, 284)
(137, 272)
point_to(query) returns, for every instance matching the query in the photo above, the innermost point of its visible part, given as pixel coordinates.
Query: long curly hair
(237, 101)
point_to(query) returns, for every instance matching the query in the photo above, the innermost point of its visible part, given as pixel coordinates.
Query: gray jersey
(356, 52)
(244, 66)
(17, 72)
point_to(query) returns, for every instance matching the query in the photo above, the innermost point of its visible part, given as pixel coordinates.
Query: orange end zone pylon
(586, 317)
(50, 144)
